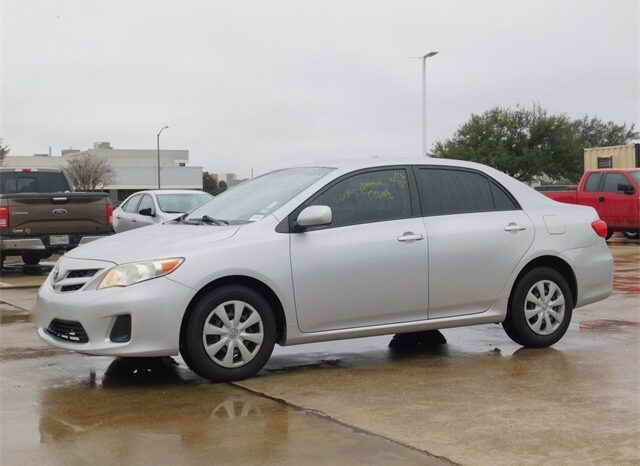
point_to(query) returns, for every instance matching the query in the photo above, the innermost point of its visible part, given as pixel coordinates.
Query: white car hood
(153, 242)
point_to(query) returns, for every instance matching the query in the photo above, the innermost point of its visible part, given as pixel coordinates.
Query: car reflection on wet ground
(478, 399)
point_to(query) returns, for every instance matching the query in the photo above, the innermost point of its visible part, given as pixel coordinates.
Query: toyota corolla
(316, 253)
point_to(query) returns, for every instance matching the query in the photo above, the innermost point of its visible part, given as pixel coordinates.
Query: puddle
(607, 325)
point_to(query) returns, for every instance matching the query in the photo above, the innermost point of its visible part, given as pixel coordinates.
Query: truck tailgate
(77, 213)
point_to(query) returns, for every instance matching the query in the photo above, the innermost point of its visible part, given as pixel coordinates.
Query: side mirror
(147, 212)
(315, 216)
(626, 188)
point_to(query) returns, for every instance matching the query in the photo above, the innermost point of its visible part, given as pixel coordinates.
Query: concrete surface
(479, 399)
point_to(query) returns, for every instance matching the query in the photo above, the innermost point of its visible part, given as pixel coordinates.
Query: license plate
(58, 240)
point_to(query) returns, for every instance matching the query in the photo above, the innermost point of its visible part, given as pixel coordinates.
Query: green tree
(209, 183)
(593, 132)
(529, 142)
(4, 150)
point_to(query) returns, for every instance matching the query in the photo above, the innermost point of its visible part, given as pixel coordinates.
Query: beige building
(612, 157)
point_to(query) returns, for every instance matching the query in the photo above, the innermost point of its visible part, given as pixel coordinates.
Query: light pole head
(430, 54)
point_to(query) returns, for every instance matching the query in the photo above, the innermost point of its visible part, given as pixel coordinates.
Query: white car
(351, 249)
(146, 208)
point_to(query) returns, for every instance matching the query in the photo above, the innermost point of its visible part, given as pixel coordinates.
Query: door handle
(409, 236)
(515, 227)
(601, 199)
(118, 217)
(133, 220)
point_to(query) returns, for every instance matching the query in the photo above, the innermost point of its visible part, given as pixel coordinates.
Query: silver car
(342, 250)
(146, 208)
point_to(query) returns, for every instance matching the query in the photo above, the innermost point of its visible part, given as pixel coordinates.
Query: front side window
(613, 181)
(593, 182)
(131, 205)
(368, 197)
(451, 191)
(146, 203)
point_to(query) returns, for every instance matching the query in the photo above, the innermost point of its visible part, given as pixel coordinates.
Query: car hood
(153, 242)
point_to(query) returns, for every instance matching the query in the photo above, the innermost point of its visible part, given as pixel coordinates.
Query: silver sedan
(146, 208)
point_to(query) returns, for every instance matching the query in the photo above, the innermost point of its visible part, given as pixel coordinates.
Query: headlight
(136, 272)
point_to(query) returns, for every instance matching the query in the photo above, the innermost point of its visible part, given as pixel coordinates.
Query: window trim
(489, 179)
(289, 225)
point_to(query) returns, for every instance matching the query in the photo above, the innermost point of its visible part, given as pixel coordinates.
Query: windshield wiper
(209, 220)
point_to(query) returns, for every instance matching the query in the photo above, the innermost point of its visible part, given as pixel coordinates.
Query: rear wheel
(540, 309)
(230, 334)
(34, 259)
(631, 234)
(609, 234)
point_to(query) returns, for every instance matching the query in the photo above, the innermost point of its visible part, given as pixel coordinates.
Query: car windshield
(181, 203)
(636, 177)
(252, 200)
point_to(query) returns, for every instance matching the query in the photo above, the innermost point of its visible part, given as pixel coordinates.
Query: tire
(31, 259)
(609, 235)
(631, 234)
(521, 325)
(208, 355)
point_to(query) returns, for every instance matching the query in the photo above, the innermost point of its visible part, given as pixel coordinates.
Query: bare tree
(89, 172)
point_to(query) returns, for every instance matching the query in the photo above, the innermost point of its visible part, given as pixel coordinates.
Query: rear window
(32, 182)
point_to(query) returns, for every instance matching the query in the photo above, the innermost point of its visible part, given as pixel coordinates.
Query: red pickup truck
(614, 193)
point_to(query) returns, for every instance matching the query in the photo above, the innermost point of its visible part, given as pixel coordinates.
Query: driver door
(369, 266)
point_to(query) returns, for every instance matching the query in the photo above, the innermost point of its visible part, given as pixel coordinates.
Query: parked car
(146, 208)
(614, 193)
(40, 215)
(344, 250)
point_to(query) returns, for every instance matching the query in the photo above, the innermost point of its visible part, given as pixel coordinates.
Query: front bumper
(156, 308)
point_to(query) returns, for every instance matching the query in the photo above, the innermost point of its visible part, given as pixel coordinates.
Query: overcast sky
(269, 83)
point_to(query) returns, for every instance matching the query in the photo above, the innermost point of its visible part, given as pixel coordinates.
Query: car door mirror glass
(314, 216)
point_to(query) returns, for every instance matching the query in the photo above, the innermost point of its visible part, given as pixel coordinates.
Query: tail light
(4, 217)
(600, 227)
(109, 214)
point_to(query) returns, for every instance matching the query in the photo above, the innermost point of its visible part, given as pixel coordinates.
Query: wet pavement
(477, 400)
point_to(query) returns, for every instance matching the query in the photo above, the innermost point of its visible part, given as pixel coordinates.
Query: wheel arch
(250, 282)
(553, 262)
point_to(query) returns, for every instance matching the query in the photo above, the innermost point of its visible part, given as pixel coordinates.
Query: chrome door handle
(515, 227)
(408, 236)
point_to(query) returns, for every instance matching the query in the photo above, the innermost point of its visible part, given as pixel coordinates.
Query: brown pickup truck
(40, 215)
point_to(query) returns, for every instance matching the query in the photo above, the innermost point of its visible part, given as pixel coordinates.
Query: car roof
(365, 162)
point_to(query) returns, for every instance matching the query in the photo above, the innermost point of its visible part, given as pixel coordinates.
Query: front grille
(70, 287)
(86, 273)
(65, 281)
(67, 330)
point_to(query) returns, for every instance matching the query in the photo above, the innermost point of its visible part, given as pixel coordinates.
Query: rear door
(477, 235)
(591, 194)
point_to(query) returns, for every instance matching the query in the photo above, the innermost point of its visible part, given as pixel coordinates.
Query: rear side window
(611, 182)
(451, 191)
(368, 197)
(593, 182)
(132, 204)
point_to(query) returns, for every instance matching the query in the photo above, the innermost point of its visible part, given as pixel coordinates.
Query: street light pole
(158, 146)
(424, 100)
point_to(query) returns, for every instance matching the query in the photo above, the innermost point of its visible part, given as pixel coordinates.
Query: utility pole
(158, 146)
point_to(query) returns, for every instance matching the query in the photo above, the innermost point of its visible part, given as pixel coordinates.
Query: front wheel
(230, 334)
(540, 309)
(631, 234)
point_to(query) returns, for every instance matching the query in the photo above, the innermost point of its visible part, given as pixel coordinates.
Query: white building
(135, 169)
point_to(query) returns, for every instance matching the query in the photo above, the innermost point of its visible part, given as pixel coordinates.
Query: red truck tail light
(4, 217)
(600, 227)
(109, 214)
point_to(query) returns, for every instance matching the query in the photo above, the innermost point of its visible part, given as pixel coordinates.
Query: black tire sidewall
(198, 359)
(516, 325)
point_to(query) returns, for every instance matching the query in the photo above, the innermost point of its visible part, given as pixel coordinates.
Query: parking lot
(478, 400)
